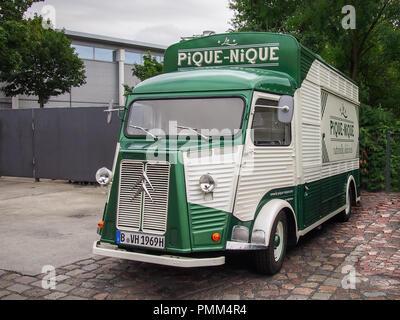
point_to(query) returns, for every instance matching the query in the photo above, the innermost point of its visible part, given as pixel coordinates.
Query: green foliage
(12, 37)
(127, 90)
(150, 68)
(369, 54)
(375, 122)
(42, 61)
(13, 10)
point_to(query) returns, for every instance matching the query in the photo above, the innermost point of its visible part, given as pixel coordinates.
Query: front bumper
(167, 260)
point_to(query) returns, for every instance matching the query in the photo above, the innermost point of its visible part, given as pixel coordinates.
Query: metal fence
(390, 140)
(57, 143)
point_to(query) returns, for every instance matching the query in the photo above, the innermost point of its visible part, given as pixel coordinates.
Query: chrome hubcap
(278, 245)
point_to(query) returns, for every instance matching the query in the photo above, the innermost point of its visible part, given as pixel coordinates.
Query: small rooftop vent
(205, 33)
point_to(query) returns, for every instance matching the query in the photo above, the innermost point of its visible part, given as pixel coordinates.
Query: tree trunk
(354, 59)
(42, 101)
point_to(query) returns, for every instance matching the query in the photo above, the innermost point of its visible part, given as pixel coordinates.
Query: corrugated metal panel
(342, 86)
(308, 68)
(129, 205)
(223, 165)
(203, 218)
(264, 169)
(332, 81)
(311, 151)
(310, 126)
(311, 145)
(336, 168)
(355, 93)
(152, 217)
(311, 103)
(324, 75)
(155, 210)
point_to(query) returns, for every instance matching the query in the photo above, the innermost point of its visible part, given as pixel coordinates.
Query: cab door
(268, 162)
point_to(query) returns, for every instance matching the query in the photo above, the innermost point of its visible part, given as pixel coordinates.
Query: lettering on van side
(338, 128)
(254, 55)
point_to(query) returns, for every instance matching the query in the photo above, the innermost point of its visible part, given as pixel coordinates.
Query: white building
(108, 62)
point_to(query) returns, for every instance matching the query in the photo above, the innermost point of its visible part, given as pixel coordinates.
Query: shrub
(375, 122)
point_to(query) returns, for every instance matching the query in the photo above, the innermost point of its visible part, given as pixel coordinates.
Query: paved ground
(369, 243)
(46, 223)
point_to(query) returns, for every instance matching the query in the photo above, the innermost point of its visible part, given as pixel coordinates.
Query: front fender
(266, 217)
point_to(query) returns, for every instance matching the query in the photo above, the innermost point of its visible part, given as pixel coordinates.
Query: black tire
(265, 260)
(344, 216)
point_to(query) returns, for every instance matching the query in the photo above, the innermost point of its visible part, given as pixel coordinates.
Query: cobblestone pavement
(369, 242)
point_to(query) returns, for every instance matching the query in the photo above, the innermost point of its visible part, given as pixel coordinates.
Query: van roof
(261, 50)
(219, 79)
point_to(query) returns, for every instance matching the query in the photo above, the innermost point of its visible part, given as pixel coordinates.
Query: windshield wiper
(195, 131)
(145, 130)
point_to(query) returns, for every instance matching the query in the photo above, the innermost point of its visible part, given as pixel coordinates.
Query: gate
(56, 143)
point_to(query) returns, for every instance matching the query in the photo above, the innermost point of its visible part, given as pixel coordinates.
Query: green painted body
(190, 226)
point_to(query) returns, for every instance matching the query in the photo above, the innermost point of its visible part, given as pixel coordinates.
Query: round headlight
(207, 183)
(103, 176)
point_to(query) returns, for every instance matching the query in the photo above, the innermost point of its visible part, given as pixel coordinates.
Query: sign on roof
(230, 54)
(264, 50)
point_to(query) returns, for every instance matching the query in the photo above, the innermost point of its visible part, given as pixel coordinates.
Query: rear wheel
(270, 260)
(344, 216)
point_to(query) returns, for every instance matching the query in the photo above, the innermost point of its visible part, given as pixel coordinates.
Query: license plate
(141, 239)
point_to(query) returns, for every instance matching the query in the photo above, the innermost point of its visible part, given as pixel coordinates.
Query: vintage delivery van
(247, 142)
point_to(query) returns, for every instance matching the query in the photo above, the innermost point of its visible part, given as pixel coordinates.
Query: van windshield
(186, 117)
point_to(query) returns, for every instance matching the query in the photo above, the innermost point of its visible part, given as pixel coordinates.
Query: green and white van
(247, 142)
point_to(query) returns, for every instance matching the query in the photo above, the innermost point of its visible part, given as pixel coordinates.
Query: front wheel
(270, 260)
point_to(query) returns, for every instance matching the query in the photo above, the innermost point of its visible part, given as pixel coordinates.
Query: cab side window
(267, 130)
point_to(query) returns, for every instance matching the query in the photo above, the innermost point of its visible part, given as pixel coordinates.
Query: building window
(84, 52)
(268, 131)
(133, 57)
(102, 54)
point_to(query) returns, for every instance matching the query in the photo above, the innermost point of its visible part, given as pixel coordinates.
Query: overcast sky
(155, 21)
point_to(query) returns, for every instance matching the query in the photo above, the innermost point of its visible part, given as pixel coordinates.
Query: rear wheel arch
(351, 196)
(351, 185)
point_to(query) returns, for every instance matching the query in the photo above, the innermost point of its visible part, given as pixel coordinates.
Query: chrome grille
(139, 212)
(129, 208)
(155, 209)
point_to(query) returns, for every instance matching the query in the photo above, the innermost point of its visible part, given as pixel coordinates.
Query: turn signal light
(101, 224)
(216, 237)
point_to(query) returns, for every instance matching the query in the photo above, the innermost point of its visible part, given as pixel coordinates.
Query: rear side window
(267, 130)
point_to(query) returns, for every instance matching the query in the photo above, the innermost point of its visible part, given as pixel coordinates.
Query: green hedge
(375, 122)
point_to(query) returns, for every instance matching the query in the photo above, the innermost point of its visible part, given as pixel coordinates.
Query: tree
(12, 37)
(369, 54)
(13, 33)
(13, 10)
(47, 65)
(150, 68)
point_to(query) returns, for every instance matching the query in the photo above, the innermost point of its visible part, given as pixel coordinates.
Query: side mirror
(109, 110)
(285, 109)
